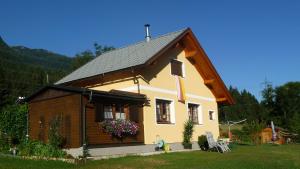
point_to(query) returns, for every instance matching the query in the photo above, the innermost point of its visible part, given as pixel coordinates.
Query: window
(211, 115)
(120, 114)
(163, 111)
(176, 68)
(193, 113)
(108, 112)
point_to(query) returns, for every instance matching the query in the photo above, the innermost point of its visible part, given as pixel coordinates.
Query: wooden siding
(96, 135)
(46, 106)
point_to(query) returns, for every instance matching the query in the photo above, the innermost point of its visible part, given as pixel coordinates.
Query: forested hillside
(24, 70)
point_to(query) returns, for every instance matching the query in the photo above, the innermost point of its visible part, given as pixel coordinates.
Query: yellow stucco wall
(157, 82)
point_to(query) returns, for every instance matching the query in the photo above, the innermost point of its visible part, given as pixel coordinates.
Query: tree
(81, 59)
(246, 106)
(267, 103)
(13, 121)
(99, 50)
(287, 103)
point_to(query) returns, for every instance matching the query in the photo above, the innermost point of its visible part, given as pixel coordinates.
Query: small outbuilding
(80, 110)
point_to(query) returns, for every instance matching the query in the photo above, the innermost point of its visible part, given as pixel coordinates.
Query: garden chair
(212, 144)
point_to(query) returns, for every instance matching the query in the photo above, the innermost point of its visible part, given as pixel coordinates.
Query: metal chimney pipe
(148, 37)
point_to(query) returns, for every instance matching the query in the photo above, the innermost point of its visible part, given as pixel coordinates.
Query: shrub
(202, 142)
(250, 133)
(188, 134)
(37, 148)
(55, 138)
(253, 129)
(4, 147)
(13, 122)
(241, 137)
(120, 128)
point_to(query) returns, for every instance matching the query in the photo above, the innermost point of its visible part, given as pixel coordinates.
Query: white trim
(172, 111)
(200, 112)
(160, 90)
(183, 70)
(200, 97)
(166, 91)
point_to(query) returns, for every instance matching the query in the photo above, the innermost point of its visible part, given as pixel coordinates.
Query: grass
(246, 157)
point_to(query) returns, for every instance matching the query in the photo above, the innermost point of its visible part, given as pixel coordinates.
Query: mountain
(43, 58)
(24, 70)
(3, 45)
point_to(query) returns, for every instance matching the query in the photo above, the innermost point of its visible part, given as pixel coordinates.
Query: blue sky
(247, 41)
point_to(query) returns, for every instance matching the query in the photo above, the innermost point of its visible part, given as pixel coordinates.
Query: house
(159, 83)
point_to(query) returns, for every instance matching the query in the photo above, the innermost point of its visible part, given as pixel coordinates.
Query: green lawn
(241, 157)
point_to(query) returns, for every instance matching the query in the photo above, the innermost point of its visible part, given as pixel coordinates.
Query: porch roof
(113, 94)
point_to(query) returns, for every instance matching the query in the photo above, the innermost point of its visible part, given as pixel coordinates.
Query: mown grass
(241, 157)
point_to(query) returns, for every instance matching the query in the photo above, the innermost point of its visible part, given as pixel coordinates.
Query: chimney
(148, 37)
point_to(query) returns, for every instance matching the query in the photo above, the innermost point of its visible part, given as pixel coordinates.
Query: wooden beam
(179, 45)
(192, 53)
(221, 99)
(209, 81)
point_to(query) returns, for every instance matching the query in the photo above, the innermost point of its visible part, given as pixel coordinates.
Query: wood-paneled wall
(67, 107)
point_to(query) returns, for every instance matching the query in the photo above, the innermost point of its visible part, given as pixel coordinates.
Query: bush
(188, 134)
(13, 122)
(55, 138)
(250, 133)
(253, 129)
(240, 137)
(37, 148)
(202, 142)
(4, 147)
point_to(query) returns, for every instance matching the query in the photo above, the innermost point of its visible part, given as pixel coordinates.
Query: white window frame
(172, 111)
(213, 115)
(200, 112)
(182, 67)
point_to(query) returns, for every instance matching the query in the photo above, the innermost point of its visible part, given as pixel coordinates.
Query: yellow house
(175, 75)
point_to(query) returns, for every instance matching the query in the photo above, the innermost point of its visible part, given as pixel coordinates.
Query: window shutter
(172, 113)
(176, 68)
(200, 115)
(134, 113)
(99, 112)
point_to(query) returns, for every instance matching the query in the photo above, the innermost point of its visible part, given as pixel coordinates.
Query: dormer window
(177, 68)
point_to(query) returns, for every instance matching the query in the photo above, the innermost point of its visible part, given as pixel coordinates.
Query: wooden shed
(266, 136)
(79, 116)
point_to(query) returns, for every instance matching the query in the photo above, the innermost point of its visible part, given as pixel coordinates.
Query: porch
(100, 111)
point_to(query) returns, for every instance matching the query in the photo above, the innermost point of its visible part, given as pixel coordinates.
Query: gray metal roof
(125, 57)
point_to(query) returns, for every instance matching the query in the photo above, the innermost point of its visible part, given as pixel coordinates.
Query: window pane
(193, 112)
(163, 111)
(108, 114)
(120, 114)
(211, 115)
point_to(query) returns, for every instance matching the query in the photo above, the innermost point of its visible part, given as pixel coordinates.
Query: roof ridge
(125, 46)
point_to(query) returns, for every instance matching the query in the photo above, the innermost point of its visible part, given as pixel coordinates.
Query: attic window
(177, 68)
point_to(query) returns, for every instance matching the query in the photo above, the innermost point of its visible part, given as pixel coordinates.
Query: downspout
(84, 143)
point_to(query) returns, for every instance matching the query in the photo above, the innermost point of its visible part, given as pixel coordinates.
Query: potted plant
(188, 134)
